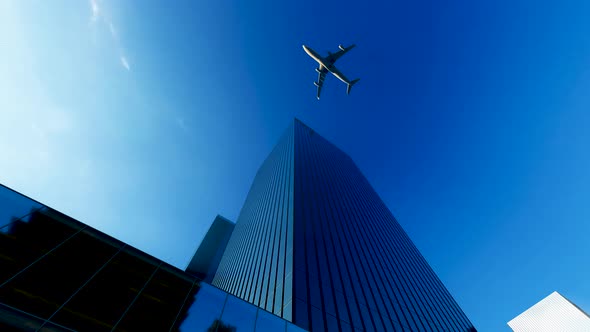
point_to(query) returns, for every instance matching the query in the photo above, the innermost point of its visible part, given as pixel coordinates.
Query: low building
(551, 314)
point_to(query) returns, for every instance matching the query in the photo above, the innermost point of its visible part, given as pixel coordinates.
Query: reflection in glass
(158, 304)
(219, 326)
(26, 240)
(239, 313)
(203, 309)
(101, 302)
(267, 322)
(13, 320)
(44, 286)
(14, 206)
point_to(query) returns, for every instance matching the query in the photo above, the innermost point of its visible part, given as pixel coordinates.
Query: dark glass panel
(13, 320)
(267, 322)
(100, 304)
(239, 314)
(300, 285)
(341, 304)
(317, 321)
(14, 206)
(300, 314)
(47, 284)
(27, 239)
(158, 304)
(202, 309)
(50, 327)
(294, 328)
(332, 323)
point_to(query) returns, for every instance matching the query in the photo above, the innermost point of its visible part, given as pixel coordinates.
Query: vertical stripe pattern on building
(347, 263)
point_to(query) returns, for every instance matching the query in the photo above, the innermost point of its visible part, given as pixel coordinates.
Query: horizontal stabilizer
(350, 85)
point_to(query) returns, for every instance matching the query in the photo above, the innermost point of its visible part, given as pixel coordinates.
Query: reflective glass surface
(25, 240)
(239, 314)
(64, 270)
(60, 275)
(267, 322)
(203, 310)
(100, 304)
(352, 264)
(158, 304)
(14, 206)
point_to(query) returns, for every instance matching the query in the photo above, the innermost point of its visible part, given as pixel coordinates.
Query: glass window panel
(345, 327)
(332, 323)
(366, 317)
(202, 309)
(299, 285)
(341, 304)
(27, 239)
(317, 321)
(158, 304)
(49, 327)
(46, 285)
(238, 314)
(300, 313)
(100, 304)
(14, 205)
(294, 328)
(267, 322)
(12, 320)
(288, 311)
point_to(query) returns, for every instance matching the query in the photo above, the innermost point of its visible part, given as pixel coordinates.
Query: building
(314, 248)
(551, 314)
(58, 274)
(315, 244)
(206, 259)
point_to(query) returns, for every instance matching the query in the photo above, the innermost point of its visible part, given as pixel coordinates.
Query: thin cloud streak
(95, 11)
(97, 14)
(125, 63)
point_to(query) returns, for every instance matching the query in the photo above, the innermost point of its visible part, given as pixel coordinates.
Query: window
(239, 314)
(158, 304)
(47, 284)
(101, 303)
(202, 309)
(267, 322)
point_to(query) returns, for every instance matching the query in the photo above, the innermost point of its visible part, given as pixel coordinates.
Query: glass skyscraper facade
(315, 244)
(58, 274)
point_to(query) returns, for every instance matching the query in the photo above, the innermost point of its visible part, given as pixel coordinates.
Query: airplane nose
(304, 47)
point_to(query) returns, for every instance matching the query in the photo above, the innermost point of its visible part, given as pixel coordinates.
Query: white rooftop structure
(554, 313)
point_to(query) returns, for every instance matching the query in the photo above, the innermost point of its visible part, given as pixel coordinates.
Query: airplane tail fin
(350, 85)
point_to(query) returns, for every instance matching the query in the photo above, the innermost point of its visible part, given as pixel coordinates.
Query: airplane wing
(332, 57)
(321, 76)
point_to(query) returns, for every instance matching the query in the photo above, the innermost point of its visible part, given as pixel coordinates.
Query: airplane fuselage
(328, 65)
(315, 56)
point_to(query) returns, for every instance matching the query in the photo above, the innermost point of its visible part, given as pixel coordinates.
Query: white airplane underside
(327, 65)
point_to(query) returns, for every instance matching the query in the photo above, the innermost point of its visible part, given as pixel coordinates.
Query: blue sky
(146, 119)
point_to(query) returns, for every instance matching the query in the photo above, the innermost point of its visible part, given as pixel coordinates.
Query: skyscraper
(316, 245)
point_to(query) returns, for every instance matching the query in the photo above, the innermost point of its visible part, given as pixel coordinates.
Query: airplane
(326, 64)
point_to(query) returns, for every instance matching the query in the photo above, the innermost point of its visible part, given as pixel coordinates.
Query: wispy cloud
(98, 15)
(112, 30)
(95, 10)
(125, 63)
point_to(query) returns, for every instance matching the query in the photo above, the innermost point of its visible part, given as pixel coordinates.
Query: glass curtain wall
(57, 274)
